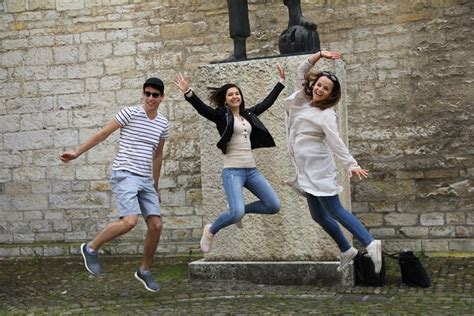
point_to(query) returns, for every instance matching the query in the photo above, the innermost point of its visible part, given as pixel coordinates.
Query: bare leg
(151, 241)
(113, 230)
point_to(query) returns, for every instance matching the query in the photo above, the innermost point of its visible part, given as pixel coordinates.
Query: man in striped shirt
(135, 174)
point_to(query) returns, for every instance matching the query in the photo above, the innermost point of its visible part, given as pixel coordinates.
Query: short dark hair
(155, 83)
(217, 95)
(310, 80)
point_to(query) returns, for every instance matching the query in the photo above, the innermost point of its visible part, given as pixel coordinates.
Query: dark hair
(310, 80)
(217, 95)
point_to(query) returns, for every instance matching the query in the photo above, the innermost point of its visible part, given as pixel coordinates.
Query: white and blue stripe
(139, 138)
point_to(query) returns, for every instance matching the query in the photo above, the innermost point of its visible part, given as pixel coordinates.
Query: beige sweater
(239, 150)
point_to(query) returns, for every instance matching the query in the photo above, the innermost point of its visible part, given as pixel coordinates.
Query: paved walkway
(61, 286)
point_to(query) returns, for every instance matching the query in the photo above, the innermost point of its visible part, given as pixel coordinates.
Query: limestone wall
(66, 66)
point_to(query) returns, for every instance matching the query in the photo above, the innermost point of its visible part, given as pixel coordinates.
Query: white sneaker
(374, 250)
(346, 258)
(206, 239)
(239, 224)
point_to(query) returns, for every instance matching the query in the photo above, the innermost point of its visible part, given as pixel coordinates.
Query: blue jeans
(234, 180)
(326, 210)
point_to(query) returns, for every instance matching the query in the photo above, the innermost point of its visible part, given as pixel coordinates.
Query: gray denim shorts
(134, 194)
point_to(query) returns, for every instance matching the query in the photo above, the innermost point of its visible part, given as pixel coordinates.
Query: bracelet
(321, 54)
(187, 91)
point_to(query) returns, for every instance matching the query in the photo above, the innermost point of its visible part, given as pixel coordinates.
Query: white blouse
(313, 140)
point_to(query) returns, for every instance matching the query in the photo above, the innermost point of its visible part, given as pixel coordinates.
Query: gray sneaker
(147, 281)
(91, 261)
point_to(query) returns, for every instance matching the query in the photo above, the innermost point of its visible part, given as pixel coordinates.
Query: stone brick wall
(66, 66)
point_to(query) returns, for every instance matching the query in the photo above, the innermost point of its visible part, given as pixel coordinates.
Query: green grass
(173, 273)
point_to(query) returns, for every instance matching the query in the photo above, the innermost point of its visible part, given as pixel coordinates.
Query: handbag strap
(395, 256)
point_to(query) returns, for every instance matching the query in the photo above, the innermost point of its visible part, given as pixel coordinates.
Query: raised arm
(306, 66)
(202, 108)
(270, 99)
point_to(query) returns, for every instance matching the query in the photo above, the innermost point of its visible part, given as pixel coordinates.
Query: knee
(129, 223)
(155, 227)
(237, 213)
(154, 224)
(274, 207)
(317, 216)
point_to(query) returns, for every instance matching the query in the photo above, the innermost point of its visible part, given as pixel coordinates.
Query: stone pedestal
(267, 243)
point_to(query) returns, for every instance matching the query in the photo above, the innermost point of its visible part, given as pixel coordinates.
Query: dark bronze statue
(300, 36)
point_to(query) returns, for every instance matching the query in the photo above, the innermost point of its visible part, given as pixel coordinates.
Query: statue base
(285, 248)
(320, 273)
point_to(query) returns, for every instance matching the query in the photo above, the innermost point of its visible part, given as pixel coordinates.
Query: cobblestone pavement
(61, 286)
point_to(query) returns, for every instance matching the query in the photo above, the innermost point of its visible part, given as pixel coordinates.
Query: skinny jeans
(234, 181)
(327, 211)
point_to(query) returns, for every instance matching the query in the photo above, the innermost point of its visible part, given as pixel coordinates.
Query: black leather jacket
(222, 116)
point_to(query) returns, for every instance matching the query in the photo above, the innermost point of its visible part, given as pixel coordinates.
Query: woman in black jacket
(240, 131)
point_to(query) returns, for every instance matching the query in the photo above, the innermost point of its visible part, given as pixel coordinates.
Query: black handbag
(411, 269)
(364, 271)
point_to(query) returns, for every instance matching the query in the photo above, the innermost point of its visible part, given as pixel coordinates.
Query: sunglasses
(330, 75)
(152, 94)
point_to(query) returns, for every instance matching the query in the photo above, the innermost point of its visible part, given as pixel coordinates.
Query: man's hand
(68, 156)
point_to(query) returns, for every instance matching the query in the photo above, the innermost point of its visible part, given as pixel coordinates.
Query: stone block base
(320, 273)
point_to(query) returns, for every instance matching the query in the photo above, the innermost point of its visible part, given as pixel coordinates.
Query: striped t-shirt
(139, 138)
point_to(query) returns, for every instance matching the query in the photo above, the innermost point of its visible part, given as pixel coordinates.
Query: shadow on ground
(62, 286)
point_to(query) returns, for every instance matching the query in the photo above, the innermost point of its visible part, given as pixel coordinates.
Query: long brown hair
(310, 80)
(217, 95)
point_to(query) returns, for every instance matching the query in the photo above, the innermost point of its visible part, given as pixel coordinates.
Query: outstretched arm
(202, 108)
(270, 99)
(95, 139)
(340, 149)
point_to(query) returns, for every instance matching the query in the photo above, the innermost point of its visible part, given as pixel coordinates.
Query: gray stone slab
(320, 273)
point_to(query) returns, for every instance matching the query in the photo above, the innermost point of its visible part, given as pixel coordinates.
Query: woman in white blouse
(313, 140)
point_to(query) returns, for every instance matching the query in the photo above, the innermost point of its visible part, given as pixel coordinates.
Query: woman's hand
(181, 82)
(323, 54)
(330, 55)
(281, 72)
(359, 172)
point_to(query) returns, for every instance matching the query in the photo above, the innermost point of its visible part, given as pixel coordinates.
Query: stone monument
(286, 248)
(301, 36)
